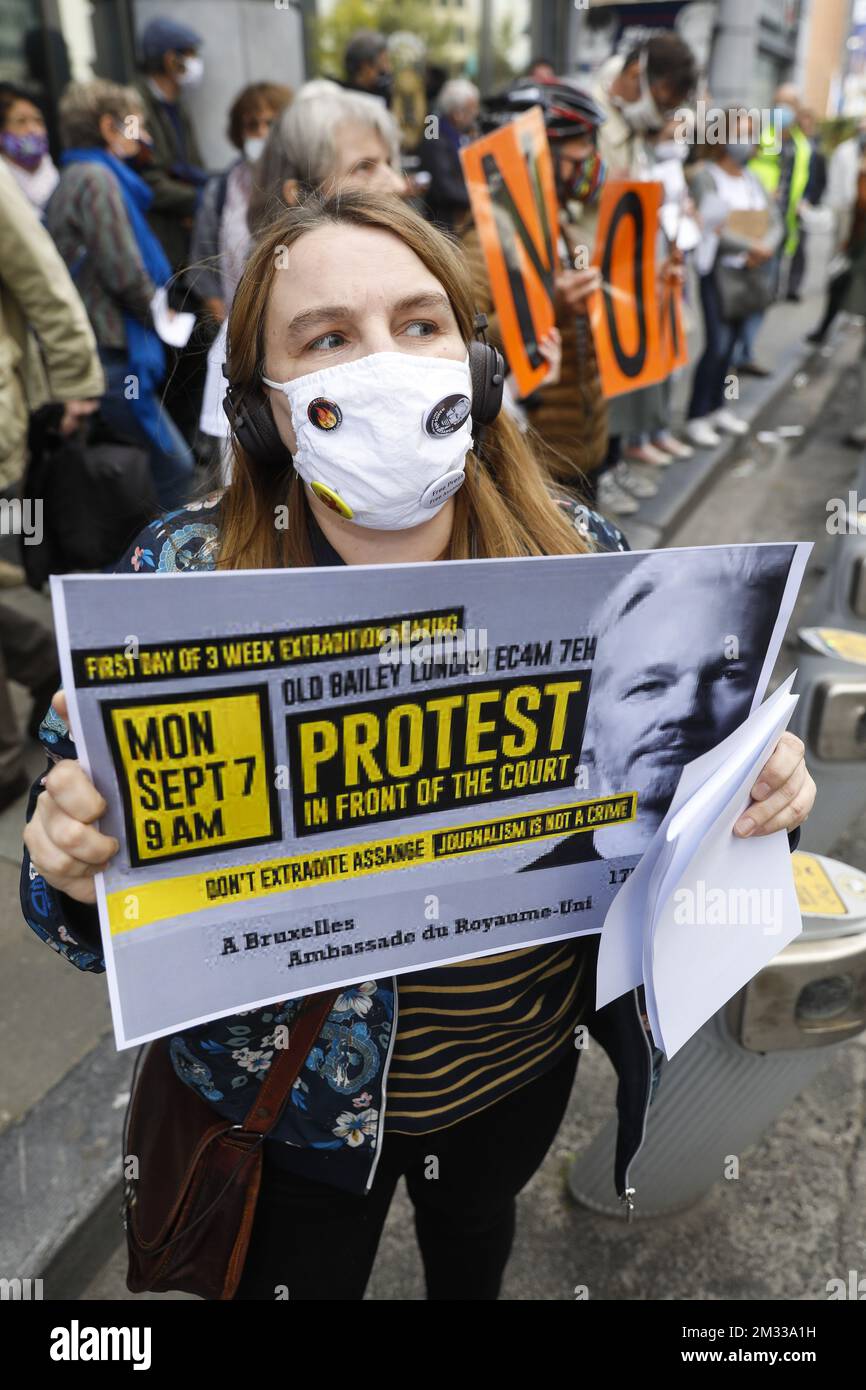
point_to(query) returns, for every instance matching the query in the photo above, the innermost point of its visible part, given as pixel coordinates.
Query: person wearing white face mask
(640, 92)
(171, 65)
(220, 238)
(367, 429)
(680, 233)
(741, 233)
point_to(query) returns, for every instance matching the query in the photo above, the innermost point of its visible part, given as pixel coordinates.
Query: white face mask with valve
(383, 440)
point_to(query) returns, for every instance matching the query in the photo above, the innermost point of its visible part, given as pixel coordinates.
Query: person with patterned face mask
(24, 146)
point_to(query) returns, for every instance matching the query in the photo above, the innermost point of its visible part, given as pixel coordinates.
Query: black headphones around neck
(253, 426)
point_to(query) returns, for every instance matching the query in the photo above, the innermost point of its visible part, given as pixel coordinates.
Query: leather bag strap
(282, 1073)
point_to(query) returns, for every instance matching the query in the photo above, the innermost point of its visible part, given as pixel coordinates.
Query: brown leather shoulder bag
(189, 1213)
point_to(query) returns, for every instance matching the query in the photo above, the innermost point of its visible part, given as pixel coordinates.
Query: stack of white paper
(705, 909)
(173, 328)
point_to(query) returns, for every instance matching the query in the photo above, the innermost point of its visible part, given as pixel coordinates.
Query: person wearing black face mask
(368, 65)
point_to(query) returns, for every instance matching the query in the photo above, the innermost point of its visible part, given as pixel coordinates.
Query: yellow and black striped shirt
(471, 1032)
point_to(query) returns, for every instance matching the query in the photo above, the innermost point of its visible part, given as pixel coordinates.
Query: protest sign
(509, 176)
(624, 313)
(313, 783)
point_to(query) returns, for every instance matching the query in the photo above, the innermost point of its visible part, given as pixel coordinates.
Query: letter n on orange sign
(624, 313)
(509, 176)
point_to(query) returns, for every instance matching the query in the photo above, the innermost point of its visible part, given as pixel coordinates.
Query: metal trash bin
(830, 718)
(744, 1067)
(840, 598)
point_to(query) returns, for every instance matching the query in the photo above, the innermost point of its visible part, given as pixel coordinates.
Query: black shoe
(753, 369)
(816, 338)
(10, 791)
(794, 298)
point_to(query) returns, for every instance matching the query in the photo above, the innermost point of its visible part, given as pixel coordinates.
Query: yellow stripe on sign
(169, 898)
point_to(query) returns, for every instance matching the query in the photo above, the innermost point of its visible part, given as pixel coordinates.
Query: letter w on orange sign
(624, 313)
(509, 176)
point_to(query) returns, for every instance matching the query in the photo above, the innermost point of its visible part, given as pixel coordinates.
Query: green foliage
(333, 30)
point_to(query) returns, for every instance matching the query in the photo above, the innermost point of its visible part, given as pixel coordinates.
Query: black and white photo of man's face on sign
(691, 644)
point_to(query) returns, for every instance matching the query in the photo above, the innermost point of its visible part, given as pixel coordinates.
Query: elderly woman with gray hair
(457, 109)
(328, 138)
(97, 215)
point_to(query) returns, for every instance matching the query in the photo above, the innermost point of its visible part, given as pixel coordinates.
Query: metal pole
(735, 46)
(576, 15)
(485, 48)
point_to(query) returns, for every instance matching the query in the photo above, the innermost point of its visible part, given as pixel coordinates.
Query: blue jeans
(708, 387)
(171, 460)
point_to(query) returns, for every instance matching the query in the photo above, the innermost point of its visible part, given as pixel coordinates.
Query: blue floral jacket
(335, 1116)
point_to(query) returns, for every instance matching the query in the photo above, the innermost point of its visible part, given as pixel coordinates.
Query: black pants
(836, 292)
(720, 337)
(319, 1243)
(797, 268)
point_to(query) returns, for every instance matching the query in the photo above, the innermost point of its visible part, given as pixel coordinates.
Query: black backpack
(96, 493)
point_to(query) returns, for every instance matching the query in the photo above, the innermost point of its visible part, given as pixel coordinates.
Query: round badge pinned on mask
(332, 499)
(442, 488)
(394, 450)
(325, 415)
(447, 415)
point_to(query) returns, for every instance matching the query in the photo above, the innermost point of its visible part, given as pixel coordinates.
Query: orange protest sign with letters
(624, 313)
(509, 176)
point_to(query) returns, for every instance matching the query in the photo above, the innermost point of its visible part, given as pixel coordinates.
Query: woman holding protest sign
(373, 328)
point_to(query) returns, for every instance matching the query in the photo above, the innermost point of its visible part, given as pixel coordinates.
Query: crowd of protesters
(132, 211)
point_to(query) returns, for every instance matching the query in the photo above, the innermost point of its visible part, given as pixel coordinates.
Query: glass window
(17, 18)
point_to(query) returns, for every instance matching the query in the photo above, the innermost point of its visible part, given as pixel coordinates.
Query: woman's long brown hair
(504, 501)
